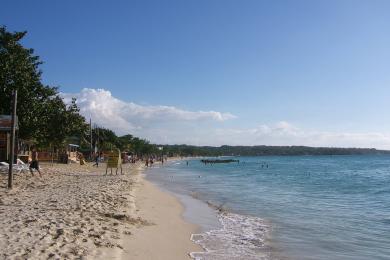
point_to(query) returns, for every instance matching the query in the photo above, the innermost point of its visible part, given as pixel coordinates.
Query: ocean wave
(241, 237)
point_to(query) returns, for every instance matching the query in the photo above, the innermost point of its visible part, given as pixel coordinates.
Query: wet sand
(168, 236)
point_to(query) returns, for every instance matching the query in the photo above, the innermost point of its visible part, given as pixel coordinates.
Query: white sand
(75, 212)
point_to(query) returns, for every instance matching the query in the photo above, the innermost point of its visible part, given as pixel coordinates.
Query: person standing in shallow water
(34, 162)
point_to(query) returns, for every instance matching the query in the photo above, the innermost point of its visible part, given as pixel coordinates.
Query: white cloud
(124, 117)
(168, 124)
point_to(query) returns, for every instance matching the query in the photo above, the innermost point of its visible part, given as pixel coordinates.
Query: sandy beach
(75, 212)
(168, 237)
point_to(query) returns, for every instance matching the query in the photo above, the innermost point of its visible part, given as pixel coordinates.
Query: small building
(5, 137)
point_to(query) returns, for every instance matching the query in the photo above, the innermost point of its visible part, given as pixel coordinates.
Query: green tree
(64, 121)
(104, 138)
(125, 142)
(42, 114)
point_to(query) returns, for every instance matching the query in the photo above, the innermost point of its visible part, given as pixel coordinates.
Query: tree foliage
(62, 121)
(106, 139)
(42, 114)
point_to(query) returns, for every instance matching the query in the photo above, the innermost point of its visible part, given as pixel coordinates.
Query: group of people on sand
(96, 158)
(34, 164)
(150, 160)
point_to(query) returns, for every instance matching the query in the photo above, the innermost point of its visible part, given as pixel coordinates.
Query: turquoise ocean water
(300, 207)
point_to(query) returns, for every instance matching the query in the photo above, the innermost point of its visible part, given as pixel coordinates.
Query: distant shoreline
(264, 150)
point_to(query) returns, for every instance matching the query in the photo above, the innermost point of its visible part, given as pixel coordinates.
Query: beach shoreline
(169, 235)
(76, 211)
(224, 232)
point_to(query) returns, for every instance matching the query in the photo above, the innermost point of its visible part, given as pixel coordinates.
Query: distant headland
(264, 150)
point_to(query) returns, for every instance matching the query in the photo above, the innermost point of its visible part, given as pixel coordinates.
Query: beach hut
(5, 136)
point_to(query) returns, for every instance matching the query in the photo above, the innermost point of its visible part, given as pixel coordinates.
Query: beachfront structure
(5, 136)
(64, 155)
(24, 150)
(72, 152)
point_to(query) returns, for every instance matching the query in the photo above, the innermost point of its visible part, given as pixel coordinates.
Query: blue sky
(284, 72)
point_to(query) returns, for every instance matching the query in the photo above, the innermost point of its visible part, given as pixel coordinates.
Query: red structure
(5, 133)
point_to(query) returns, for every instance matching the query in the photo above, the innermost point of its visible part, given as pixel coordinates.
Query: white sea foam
(241, 237)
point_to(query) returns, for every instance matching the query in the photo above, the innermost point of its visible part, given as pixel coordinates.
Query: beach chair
(22, 166)
(19, 167)
(4, 167)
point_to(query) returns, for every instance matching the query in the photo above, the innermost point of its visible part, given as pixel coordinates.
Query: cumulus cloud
(124, 117)
(172, 125)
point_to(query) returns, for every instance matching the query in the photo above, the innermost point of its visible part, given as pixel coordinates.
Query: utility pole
(12, 152)
(97, 142)
(90, 133)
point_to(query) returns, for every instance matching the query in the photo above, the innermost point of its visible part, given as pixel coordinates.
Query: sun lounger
(22, 166)
(19, 167)
(4, 167)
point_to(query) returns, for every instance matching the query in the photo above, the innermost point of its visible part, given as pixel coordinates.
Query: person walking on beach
(96, 160)
(34, 162)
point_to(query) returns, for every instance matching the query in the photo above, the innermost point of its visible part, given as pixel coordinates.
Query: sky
(214, 72)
